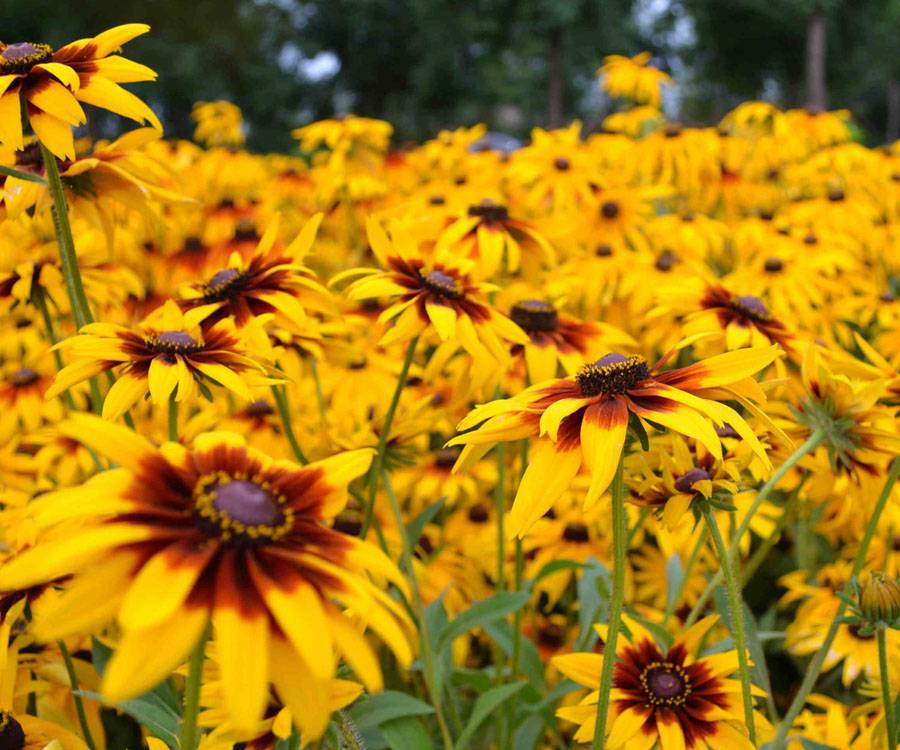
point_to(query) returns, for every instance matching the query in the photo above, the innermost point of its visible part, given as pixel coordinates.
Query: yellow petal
(55, 99)
(120, 444)
(443, 317)
(54, 133)
(162, 379)
(603, 431)
(124, 394)
(11, 120)
(548, 475)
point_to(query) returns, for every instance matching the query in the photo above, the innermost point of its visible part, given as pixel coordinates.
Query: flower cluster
(592, 440)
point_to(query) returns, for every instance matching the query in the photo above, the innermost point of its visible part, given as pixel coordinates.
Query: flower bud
(879, 598)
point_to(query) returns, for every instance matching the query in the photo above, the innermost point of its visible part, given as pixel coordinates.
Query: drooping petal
(124, 394)
(550, 471)
(120, 444)
(603, 430)
(54, 133)
(307, 697)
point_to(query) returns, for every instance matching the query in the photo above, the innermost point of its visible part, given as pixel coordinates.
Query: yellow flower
(219, 123)
(52, 83)
(633, 78)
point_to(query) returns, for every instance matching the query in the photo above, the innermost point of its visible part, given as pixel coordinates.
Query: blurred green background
(428, 64)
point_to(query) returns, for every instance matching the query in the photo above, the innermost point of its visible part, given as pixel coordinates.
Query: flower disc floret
(613, 374)
(21, 57)
(534, 315)
(665, 684)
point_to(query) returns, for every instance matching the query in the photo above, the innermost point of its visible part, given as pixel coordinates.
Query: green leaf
(417, 525)
(810, 745)
(386, 707)
(593, 590)
(481, 613)
(406, 733)
(529, 733)
(529, 659)
(636, 427)
(484, 707)
(759, 670)
(552, 567)
(27, 176)
(151, 711)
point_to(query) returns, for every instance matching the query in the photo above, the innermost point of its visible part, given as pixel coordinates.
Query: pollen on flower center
(24, 377)
(241, 509)
(489, 211)
(442, 284)
(534, 315)
(612, 374)
(21, 57)
(752, 308)
(665, 684)
(12, 736)
(224, 284)
(174, 342)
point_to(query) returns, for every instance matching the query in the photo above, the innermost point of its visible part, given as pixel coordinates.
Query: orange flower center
(21, 57)
(665, 684)
(534, 315)
(612, 375)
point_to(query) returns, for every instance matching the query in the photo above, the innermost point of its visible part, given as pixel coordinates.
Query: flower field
(589, 441)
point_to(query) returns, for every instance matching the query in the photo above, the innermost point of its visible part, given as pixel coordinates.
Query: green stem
(192, 695)
(685, 578)
(642, 517)
(886, 697)
(815, 666)
(762, 551)
(284, 411)
(294, 741)
(811, 443)
(173, 418)
(425, 644)
(378, 461)
(320, 395)
(737, 616)
(349, 734)
(617, 600)
(500, 505)
(81, 310)
(76, 695)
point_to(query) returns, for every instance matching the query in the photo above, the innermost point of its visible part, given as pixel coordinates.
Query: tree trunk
(892, 132)
(816, 50)
(554, 79)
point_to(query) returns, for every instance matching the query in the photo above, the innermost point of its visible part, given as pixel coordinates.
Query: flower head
(52, 83)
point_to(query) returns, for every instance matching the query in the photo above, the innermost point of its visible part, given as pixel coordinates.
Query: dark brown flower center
(193, 245)
(259, 408)
(613, 374)
(245, 231)
(576, 532)
(534, 315)
(489, 211)
(24, 377)
(21, 57)
(857, 632)
(12, 736)
(673, 130)
(686, 481)
(773, 265)
(752, 308)
(666, 260)
(174, 342)
(224, 284)
(552, 635)
(603, 250)
(665, 684)
(442, 284)
(610, 210)
(439, 200)
(562, 164)
(446, 457)
(478, 513)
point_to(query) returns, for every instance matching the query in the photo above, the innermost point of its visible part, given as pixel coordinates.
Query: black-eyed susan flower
(433, 293)
(584, 419)
(178, 537)
(633, 78)
(488, 234)
(271, 281)
(169, 353)
(673, 698)
(52, 83)
(219, 123)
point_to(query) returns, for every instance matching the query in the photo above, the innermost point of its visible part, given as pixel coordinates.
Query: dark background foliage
(427, 64)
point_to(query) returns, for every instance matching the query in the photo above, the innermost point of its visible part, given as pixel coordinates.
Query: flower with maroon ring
(168, 353)
(555, 337)
(487, 233)
(272, 281)
(177, 537)
(584, 419)
(51, 86)
(743, 320)
(669, 699)
(437, 293)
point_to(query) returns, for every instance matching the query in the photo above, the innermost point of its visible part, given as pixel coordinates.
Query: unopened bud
(879, 598)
